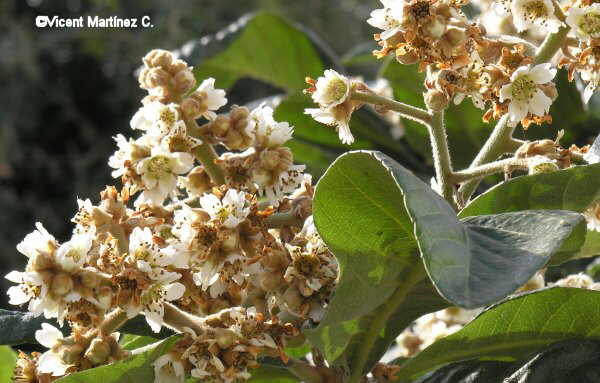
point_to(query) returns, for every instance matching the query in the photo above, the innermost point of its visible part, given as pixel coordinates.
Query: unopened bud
(155, 77)
(199, 181)
(225, 337)
(184, 81)
(98, 351)
(455, 36)
(62, 284)
(436, 100)
(158, 58)
(270, 281)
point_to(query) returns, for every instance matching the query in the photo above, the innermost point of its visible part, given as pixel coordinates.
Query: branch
(278, 220)
(499, 142)
(205, 153)
(441, 157)
(408, 111)
(485, 170)
(553, 41)
(178, 319)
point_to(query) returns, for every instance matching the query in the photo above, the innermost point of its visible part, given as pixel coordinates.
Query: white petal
(542, 73)
(48, 335)
(174, 291)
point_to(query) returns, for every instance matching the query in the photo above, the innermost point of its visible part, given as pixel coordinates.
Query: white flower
(146, 254)
(129, 153)
(524, 94)
(213, 98)
(286, 183)
(585, 21)
(159, 173)
(153, 300)
(329, 117)
(37, 242)
(72, 255)
(157, 119)
(50, 362)
(388, 18)
(332, 89)
(168, 370)
(230, 211)
(529, 13)
(267, 132)
(31, 289)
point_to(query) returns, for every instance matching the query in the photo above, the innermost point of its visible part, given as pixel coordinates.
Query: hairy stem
(554, 41)
(382, 315)
(485, 170)
(283, 219)
(113, 321)
(405, 110)
(499, 142)
(178, 319)
(441, 156)
(205, 153)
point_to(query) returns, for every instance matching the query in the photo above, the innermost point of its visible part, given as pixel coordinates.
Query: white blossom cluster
(191, 234)
(490, 59)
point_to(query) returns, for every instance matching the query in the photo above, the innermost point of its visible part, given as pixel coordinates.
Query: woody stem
(408, 111)
(205, 153)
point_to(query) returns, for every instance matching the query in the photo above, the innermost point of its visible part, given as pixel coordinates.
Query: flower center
(167, 117)
(224, 212)
(535, 10)
(420, 9)
(590, 23)
(75, 254)
(158, 166)
(336, 90)
(523, 88)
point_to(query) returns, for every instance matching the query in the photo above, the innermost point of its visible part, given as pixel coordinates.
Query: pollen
(590, 23)
(535, 10)
(523, 88)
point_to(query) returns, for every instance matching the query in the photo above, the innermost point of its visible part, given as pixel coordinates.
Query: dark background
(66, 92)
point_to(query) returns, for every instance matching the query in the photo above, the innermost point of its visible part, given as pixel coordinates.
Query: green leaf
(572, 189)
(375, 215)
(360, 214)
(514, 328)
(131, 342)
(468, 372)
(136, 368)
(251, 51)
(272, 374)
(562, 362)
(8, 360)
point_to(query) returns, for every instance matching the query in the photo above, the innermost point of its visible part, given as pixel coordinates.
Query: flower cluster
(191, 234)
(482, 60)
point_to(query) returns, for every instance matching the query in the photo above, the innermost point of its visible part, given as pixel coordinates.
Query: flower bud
(62, 284)
(455, 36)
(541, 164)
(154, 78)
(158, 58)
(225, 337)
(436, 100)
(198, 181)
(184, 81)
(98, 351)
(270, 281)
